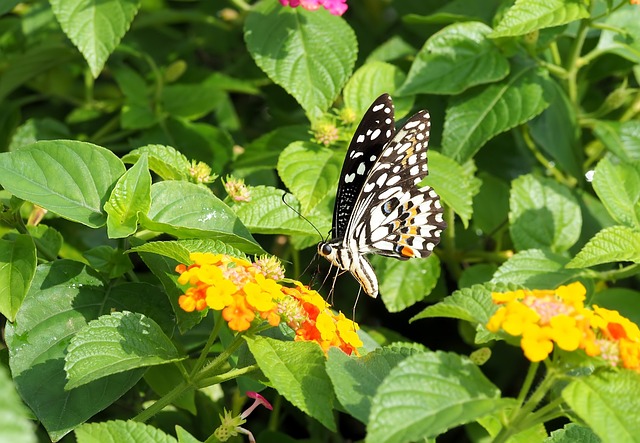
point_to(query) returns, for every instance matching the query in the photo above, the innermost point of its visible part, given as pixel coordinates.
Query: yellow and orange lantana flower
(248, 292)
(558, 317)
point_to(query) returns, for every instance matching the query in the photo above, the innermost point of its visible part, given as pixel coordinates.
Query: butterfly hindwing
(373, 133)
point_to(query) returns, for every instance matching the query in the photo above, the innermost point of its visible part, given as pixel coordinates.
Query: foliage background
(534, 151)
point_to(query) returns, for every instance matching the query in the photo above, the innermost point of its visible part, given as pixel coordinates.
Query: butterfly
(379, 207)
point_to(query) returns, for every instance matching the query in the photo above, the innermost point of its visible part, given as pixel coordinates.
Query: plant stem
(619, 274)
(449, 243)
(163, 401)
(557, 174)
(233, 373)
(217, 318)
(526, 386)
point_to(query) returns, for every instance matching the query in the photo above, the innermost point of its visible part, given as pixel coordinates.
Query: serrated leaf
(121, 431)
(309, 53)
(266, 213)
(310, 172)
(116, 343)
(428, 393)
(180, 250)
(404, 283)
(15, 426)
(17, 268)
(187, 210)
(130, 197)
(371, 80)
(531, 15)
(111, 262)
(603, 401)
(618, 187)
(455, 185)
(491, 203)
(355, 380)
(623, 36)
(95, 26)
(571, 433)
(392, 49)
(613, 244)
(167, 162)
(64, 296)
(544, 214)
(621, 138)
(535, 268)
(36, 129)
(297, 372)
(70, 178)
(454, 59)
(472, 304)
(478, 115)
(263, 152)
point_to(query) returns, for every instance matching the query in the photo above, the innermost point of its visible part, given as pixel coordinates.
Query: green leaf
(187, 210)
(404, 283)
(116, 343)
(572, 433)
(192, 101)
(613, 244)
(456, 58)
(17, 268)
(618, 187)
(428, 393)
(535, 268)
(70, 178)
(392, 49)
(621, 138)
(165, 161)
(121, 431)
(36, 129)
(266, 213)
(472, 304)
(296, 370)
(63, 298)
(137, 112)
(180, 250)
(370, 81)
(263, 152)
(95, 26)
(310, 172)
(111, 262)
(15, 426)
(163, 378)
(623, 36)
(355, 380)
(544, 214)
(557, 132)
(531, 15)
(490, 204)
(129, 198)
(309, 53)
(478, 115)
(454, 183)
(604, 401)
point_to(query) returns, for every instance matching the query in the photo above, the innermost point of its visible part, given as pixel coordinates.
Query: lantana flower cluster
(249, 292)
(558, 317)
(336, 7)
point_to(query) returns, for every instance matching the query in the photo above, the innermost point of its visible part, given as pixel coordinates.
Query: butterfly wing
(373, 133)
(392, 216)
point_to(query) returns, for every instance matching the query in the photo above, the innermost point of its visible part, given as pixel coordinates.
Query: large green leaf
(296, 370)
(622, 36)
(472, 304)
(17, 268)
(64, 296)
(477, 115)
(612, 244)
(621, 138)
(187, 210)
(543, 214)
(309, 53)
(267, 213)
(95, 26)
(310, 172)
(115, 343)
(167, 162)
(618, 186)
(572, 433)
(15, 426)
(456, 58)
(428, 393)
(122, 432)
(404, 283)
(604, 401)
(70, 178)
(530, 15)
(355, 380)
(535, 268)
(129, 198)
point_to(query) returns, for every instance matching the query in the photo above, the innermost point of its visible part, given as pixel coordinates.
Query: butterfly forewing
(373, 133)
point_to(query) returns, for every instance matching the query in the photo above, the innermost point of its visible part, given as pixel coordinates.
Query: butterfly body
(379, 208)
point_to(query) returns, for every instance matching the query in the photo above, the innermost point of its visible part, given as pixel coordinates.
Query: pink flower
(335, 7)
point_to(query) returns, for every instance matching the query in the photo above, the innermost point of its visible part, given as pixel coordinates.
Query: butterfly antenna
(302, 216)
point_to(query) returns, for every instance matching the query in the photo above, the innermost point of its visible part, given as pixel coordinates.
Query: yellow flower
(630, 354)
(326, 326)
(347, 331)
(573, 294)
(220, 295)
(565, 333)
(518, 316)
(536, 342)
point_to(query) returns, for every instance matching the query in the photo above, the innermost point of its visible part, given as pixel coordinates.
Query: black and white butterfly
(379, 207)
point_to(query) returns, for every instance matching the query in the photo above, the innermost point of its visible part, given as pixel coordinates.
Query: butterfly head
(326, 250)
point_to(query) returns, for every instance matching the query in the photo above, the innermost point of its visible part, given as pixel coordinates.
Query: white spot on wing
(375, 133)
(361, 168)
(349, 178)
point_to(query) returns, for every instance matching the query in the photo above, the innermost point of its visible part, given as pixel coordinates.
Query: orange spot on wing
(406, 251)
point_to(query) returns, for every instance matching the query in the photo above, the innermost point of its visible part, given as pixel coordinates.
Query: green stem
(621, 273)
(212, 368)
(217, 318)
(558, 71)
(557, 174)
(274, 417)
(241, 4)
(233, 373)
(572, 65)
(163, 401)
(526, 386)
(449, 243)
